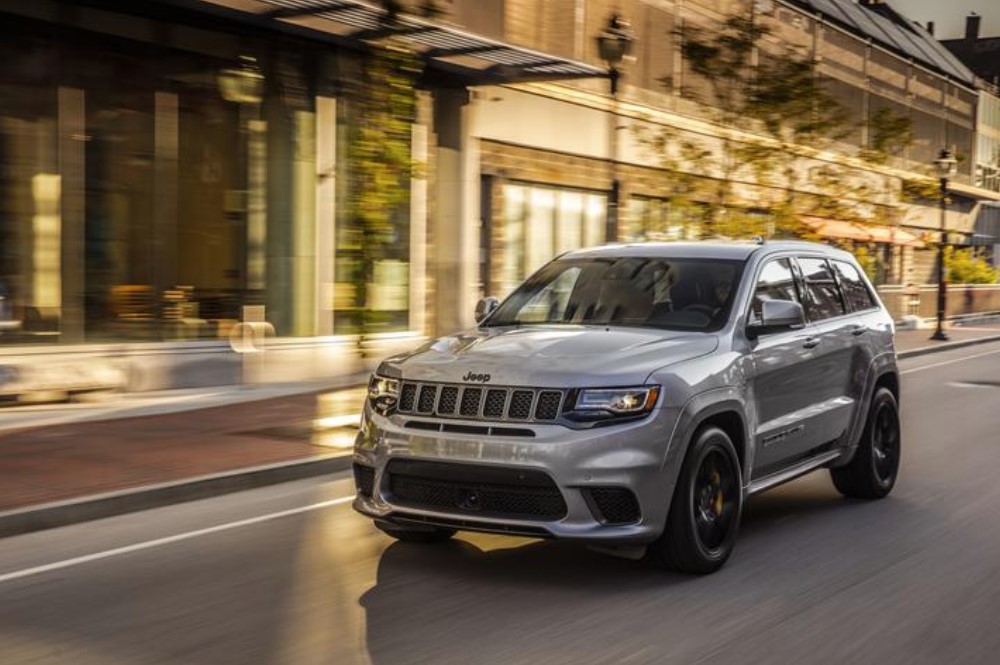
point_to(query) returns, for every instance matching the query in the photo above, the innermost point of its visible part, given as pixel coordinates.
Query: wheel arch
(724, 408)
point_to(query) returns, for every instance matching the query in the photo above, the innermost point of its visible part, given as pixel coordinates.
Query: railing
(921, 300)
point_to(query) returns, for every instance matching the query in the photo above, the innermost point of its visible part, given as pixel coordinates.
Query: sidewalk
(917, 342)
(61, 464)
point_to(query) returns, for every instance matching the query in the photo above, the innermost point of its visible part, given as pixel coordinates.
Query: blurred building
(164, 164)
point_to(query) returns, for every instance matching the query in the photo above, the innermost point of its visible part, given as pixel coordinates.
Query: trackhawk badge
(472, 376)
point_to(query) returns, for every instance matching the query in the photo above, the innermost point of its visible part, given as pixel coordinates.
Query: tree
(965, 266)
(767, 114)
(379, 151)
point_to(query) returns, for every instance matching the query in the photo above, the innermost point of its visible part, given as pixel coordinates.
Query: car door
(872, 330)
(839, 359)
(782, 387)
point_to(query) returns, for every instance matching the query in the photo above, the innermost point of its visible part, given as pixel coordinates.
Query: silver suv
(633, 396)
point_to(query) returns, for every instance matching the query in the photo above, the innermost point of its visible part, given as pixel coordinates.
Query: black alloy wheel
(872, 472)
(705, 511)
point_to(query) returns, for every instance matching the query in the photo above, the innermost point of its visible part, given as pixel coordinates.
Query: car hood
(550, 356)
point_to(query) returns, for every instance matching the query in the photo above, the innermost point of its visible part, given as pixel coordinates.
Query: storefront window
(149, 193)
(31, 289)
(540, 223)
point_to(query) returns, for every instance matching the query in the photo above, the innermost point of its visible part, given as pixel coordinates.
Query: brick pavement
(81, 459)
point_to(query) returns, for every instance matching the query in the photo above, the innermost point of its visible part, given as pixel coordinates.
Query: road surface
(289, 574)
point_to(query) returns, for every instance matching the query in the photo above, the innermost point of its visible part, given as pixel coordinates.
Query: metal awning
(835, 228)
(472, 58)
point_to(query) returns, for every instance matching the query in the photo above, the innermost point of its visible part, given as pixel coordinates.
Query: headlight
(383, 393)
(614, 403)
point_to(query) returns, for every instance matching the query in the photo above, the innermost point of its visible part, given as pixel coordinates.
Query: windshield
(657, 292)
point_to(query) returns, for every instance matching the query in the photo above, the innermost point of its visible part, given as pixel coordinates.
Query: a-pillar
(456, 203)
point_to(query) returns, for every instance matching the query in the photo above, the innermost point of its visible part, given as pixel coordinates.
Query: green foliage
(867, 261)
(889, 134)
(965, 266)
(783, 101)
(379, 153)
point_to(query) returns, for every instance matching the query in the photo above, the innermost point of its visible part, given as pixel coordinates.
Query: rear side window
(822, 296)
(856, 292)
(776, 282)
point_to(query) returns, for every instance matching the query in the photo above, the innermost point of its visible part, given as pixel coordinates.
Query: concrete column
(418, 218)
(457, 202)
(165, 155)
(326, 210)
(72, 131)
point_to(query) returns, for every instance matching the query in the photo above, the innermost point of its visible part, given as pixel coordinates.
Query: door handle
(811, 342)
(858, 330)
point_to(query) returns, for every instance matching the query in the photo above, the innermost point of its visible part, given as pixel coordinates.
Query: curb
(947, 346)
(99, 506)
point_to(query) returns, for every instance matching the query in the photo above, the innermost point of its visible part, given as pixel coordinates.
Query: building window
(540, 223)
(650, 219)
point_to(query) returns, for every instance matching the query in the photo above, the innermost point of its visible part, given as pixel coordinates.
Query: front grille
(478, 403)
(447, 401)
(470, 402)
(407, 397)
(613, 505)
(475, 490)
(548, 405)
(425, 402)
(364, 479)
(520, 404)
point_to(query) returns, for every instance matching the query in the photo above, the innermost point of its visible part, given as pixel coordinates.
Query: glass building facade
(158, 173)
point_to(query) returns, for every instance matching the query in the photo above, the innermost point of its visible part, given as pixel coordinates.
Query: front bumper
(631, 455)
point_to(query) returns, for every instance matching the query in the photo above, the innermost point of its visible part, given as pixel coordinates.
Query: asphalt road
(289, 574)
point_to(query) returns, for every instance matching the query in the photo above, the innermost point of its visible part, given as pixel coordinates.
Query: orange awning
(835, 228)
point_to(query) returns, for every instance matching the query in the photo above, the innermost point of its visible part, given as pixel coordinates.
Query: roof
(733, 250)
(475, 59)
(889, 29)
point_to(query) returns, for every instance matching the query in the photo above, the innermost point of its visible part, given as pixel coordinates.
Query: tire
(705, 511)
(424, 535)
(872, 472)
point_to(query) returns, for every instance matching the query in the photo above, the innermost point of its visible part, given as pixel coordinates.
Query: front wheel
(871, 474)
(705, 511)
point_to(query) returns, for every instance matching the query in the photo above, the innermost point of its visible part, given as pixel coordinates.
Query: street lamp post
(613, 44)
(946, 168)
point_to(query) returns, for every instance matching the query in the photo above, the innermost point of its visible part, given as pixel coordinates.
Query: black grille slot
(364, 479)
(548, 405)
(495, 401)
(473, 490)
(613, 505)
(407, 397)
(425, 402)
(447, 401)
(470, 402)
(520, 404)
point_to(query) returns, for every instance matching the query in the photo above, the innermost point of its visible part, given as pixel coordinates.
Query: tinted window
(856, 292)
(660, 292)
(776, 282)
(822, 296)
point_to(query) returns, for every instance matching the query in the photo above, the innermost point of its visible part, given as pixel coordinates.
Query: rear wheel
(705, 511)
(416, 534)
(871, 474)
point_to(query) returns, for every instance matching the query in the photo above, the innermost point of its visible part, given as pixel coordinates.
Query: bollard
(248, 338)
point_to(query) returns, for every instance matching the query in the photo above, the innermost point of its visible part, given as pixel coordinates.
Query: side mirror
(485, 307)
(777, 315)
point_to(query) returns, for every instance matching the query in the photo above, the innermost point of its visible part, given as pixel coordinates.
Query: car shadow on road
(476, 592)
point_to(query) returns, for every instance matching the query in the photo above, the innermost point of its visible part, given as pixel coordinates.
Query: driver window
(776, 282)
